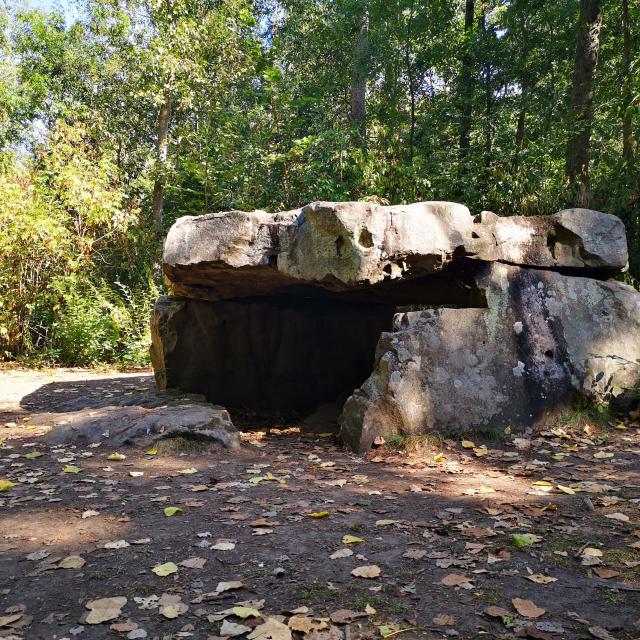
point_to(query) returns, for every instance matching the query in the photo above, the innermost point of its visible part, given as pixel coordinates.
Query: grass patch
(584, 413)
(315, 593)
(415, 444)
(181, 444)
(493, 595)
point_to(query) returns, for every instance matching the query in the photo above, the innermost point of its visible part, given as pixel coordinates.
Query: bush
(97, 323)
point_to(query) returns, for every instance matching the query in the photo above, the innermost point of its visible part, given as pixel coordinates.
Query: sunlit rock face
(500, 322)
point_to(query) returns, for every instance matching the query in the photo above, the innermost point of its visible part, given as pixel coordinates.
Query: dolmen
(406, 319)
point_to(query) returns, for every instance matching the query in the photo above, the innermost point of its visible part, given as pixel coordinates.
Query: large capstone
(424, 316)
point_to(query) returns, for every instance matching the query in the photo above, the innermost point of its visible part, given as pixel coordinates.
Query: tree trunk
(161, 157)
(359, 76)
(466, 82)
(628, 141)
(586, 59)
(488, 93)
(411, 78)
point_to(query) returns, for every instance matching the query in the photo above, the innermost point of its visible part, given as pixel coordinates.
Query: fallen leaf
(601, 634)
(497, 612)
(117, 457)
(32, 455)
(116, 544)
(603, 455)
(246, 612)
(71, 562)
(385, 523)
(5, 621)
(341, 553)
(345, 616)
(272, 629)
(567, 490)
(541, 579)
(468, 444)
(349, 539)
(527, 608)
(71, 468)
(414, 554)
(604, 573)
(620, 517)
(317, 514)
(223, 545)
(444, 620)
(104, 609)
(226, 586)
(305, 624)
(165, 569)
(170, 606)
(6, 485)
(521, 540)
(171, 511)
(231, 629)
(454, 580)
(193, 563)
(124, 627)
(89, 513)
(366, 571)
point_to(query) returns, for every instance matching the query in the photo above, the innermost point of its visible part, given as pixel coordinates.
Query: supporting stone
(543, 339)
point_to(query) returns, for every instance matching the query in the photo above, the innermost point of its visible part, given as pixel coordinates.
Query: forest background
(118, 116)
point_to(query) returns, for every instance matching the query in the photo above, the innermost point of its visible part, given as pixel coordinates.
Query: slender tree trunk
(521, 127)
(466, 82)
(520, 136)
(359, 77)
(162, 140)
(628, 141)
(488, 93)
(586, 59)
(411, 77)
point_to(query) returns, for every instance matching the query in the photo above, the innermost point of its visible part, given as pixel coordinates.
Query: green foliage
(260, 96)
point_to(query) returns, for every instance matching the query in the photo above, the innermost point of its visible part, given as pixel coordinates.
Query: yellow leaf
(542, 483)
(151, 452)
(622, 427)
(118, 457)
(245, 612)
(468, 444)
(439, 457)
(33, 454)
(349, 539)
(171, 511)
(480, 451)
(6, 485)
(567, 490)
(603, 455)
(165, 569)
(71, 468)
(317, 514)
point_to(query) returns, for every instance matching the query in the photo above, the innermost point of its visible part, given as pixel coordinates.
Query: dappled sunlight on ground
(458, 533)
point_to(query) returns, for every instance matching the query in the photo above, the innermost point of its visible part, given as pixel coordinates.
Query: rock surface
(544, 338)
(346, 247)
(145, 417)
(284, 311)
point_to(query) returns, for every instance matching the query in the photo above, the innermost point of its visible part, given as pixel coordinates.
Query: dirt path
(536, 538)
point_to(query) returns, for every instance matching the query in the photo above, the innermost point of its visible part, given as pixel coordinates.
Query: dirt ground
(294, 537)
